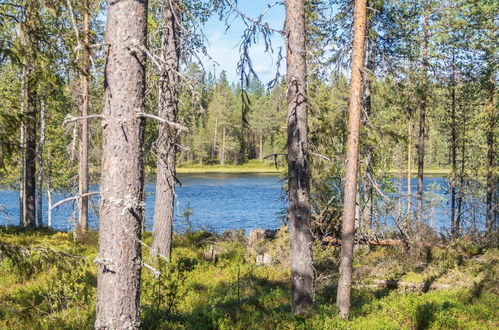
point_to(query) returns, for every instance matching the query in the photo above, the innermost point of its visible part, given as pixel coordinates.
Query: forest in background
(372, 90)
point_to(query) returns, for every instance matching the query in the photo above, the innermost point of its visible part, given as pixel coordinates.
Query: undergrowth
(47, 281)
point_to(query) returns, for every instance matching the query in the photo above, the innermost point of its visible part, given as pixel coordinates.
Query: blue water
(217, 201)
(240, 201)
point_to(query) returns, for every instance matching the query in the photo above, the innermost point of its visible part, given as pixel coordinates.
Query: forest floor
(48, 281)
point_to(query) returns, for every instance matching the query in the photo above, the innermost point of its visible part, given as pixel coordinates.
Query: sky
(223, 46)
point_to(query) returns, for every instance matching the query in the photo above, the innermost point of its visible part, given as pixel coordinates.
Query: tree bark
(85, 77)
(298, 167)
(422, 119)
(454, 230)
(222, 152)
(29, 142)
(22, 148)
(39, 183)
(29, 183)
(367, 214)
(260, 151)
(355, 106)
(121, 205)
(168, 108)
(409, 161)
(490, 216)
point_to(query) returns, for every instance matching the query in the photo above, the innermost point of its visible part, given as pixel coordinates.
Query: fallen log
(381, 242)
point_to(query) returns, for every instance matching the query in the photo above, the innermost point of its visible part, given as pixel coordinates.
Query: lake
(218, 202)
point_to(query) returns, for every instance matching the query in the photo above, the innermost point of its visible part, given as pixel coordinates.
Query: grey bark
(83, 165)
(168, 108)
(351, 170)
(22, 148)
(454, 225)
(39, 183)
(121, 189)
(29, 166)
(422, 120)
(298, 159)
(367, 214)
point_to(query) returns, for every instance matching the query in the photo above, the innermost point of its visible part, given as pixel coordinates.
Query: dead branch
(72, 198)
(177, 126)
(70, 119)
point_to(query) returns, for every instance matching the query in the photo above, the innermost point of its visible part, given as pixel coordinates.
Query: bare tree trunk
(168, 108)
(352, 157)
(22, 148)
(461, 176)
(29, 183)
(409, 161)
(214, 150)
(490, 216)
(422, 119)
(298, 168)
(260, 151)
(454, 231)
(367, 214)
(121, 204)
(49, 206)
(83, 170)
(39, 184)
(222, 153)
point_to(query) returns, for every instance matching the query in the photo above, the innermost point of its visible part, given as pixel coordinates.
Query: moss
(234, 293)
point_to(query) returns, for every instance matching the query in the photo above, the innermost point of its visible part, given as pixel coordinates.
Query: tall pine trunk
(453, 180)
(352, 157)
(39, 183)
(29, 166)
(22, 147)
(490, 216)
(422, 120)
(298, 167)
(168, 108)
(85, 77)
(121, 189)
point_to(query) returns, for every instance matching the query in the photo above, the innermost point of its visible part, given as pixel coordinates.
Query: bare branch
(177, 126)
(70, 119)
(72, 198)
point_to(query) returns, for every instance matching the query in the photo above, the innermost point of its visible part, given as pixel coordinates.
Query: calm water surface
(219, 202)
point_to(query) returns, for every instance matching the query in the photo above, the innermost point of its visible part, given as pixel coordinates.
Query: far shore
(272, 169)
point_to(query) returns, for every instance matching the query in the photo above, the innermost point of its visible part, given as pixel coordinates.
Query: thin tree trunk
(22, 148)
(461, 177)
(29, 131)
(490, 216)
(83, 170)
(214, 148)
(422, 119)
(222, 152)
(260, 151)
(29, 183)
(298, 167)
(352, 157)
(121, 190)
(368, 150)
(49, 206)
(39, 184)
(454, 231)
(409, 161)
(168, 108)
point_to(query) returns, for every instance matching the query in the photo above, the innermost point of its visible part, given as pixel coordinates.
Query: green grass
(39, 292)
(250, 167)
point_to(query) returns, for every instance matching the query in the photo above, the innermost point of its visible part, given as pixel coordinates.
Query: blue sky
(223, 46)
